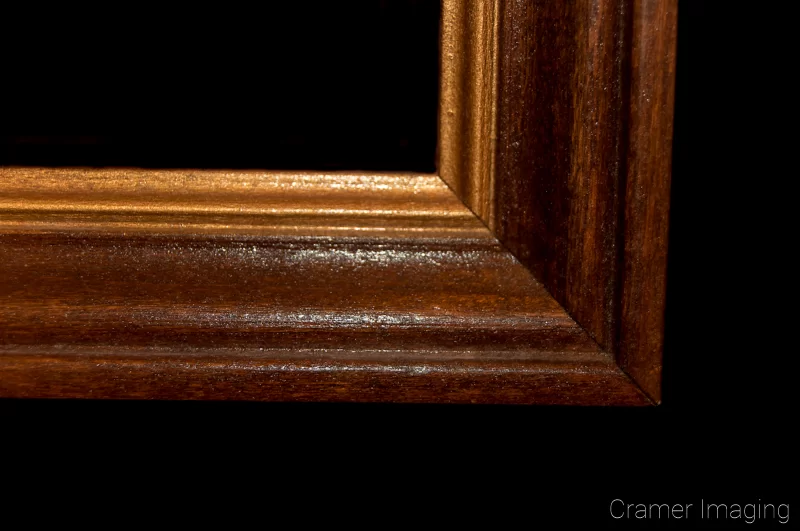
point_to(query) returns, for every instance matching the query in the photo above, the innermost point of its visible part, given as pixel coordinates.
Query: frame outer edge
(647, 188)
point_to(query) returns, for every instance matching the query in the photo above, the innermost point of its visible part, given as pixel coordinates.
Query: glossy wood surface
(532, 271)
(647, 190)
(232, 202)
(579, 180)
(434, 293)
(468, 102)
(559, 149)
(278, 376)
(309, 285)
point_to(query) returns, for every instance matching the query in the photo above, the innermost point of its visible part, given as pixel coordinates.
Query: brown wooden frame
(547, 287)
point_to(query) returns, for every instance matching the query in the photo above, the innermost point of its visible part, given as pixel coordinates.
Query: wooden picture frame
(530, 269)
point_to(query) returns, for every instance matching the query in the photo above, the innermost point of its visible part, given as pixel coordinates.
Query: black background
(279, 85)
(724, 432)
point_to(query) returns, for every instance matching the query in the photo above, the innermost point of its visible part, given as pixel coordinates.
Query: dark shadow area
(283, 85)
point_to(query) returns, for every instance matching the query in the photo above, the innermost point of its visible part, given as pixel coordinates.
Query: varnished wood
(429, 293)
(231, 202)
(577, 182)
(468, 102)
(109, 277)
(643, 277)
(311, 377)
(555, 126)
(560, 149)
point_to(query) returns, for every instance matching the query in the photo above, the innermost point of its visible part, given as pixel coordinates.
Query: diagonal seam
(500, 244)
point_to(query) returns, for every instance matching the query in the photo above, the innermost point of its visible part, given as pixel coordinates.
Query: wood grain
(555, 130)
(431, 293)
(559, 150)
(98, 299)
(276, 377)
(646, 212)
(580, 132)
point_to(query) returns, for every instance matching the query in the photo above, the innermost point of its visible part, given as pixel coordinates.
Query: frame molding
(564, 110)
(536, 274)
